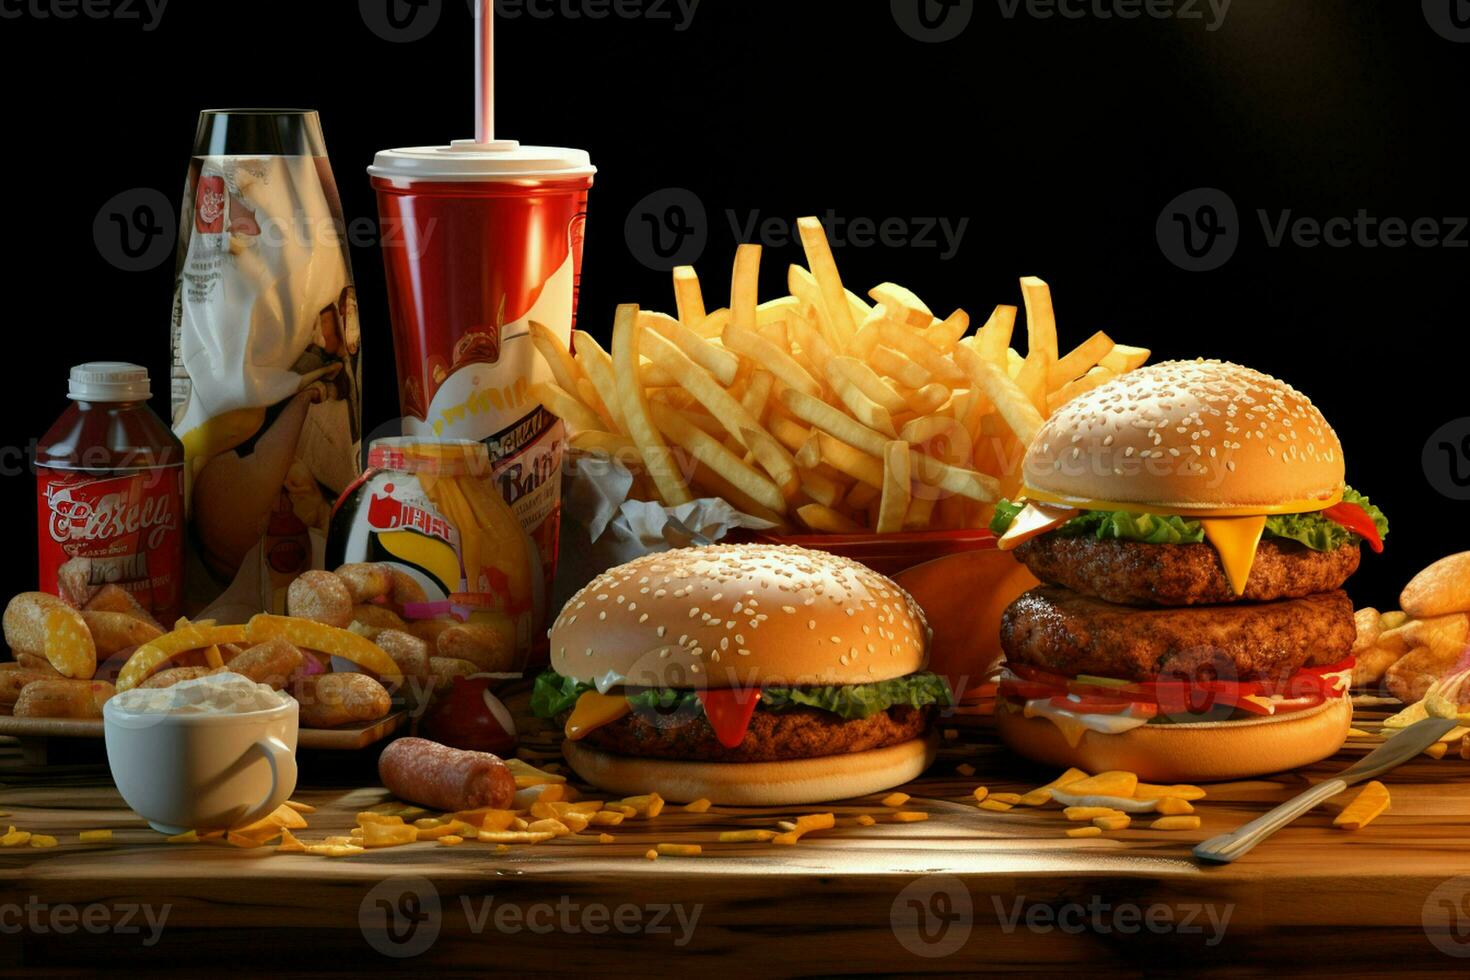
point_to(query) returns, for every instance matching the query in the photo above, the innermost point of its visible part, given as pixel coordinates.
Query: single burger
(742, 674)
(1192, 531)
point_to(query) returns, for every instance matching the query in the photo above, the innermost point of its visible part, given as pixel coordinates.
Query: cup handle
(283, 772)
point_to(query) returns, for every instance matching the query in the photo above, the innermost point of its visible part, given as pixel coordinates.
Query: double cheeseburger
(1192, 531)
(742, 674)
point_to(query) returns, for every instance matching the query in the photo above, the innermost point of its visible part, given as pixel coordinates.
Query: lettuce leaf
(1312, 529)
(554, 694)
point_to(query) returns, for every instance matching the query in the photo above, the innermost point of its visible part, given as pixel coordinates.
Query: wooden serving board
(346, 738)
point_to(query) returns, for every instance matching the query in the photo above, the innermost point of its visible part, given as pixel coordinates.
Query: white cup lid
(109, 381)
(470, 161)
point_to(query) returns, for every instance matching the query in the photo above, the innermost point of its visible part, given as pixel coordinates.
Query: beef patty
(798, 733)
(1141, 574)
(1057, 629)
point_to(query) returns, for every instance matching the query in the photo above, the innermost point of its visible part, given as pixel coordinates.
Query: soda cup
(479, 240)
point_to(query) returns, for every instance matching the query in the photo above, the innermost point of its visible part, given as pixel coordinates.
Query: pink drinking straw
(485, 71)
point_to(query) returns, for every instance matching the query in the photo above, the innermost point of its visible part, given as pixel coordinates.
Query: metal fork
(1395, 752)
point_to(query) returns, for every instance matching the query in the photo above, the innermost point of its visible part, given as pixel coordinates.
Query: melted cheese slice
(1236, 539)
(1074, 724)
(1184, 510)
(1034, 520)
(594, 710)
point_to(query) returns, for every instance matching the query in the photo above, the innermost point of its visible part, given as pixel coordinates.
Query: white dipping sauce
(217, 694)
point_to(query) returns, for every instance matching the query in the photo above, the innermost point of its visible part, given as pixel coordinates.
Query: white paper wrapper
(602, 528)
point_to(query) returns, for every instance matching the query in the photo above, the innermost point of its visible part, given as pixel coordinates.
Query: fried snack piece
(479, 643)
(63, 699)
(367, 581)
(114, 631)
(43, 625)
(410, 653)
(370, 619)
(406, 589)
(115, 598)
(329, 700)
(176, 675)
(1369, 623)
(39, 664)
(321, 597)
(14, 678)
(1372, 664)
(272, 663)
(428, 630)
(1442, 588)
(1409, 678)
(445, 669)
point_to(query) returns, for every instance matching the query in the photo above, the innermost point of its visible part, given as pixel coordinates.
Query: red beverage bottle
(110, 494)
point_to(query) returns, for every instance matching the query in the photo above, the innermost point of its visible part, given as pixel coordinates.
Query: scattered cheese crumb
(896, 799)
(95, 836)
(1085, 832)
(698, 806)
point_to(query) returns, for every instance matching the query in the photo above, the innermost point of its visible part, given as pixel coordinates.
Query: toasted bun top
(1199, 434)
(738, 615)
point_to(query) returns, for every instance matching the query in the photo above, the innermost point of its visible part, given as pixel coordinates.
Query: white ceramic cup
(202, 771)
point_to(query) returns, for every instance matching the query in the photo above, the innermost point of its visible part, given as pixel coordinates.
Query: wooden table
(964, 891)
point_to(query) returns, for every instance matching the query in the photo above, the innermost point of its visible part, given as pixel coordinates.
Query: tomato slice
(1356, 520)
(1026, 690)
(1091, 706)
(729, 712)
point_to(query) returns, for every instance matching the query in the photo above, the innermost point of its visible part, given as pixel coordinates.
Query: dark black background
(1061, 140)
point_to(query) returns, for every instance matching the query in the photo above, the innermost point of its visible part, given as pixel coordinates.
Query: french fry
(558, 358)
(1122, 358)
(825, 520)
(947, 332)
(894, 503)
(902, 305)
(617, 446)
(566, 406)
(1013, 405)
(708, 451)
(861, 466)
(866, 380)
(930, 398)
(720, 363)
(994, 339)
(821, 488)
(912, 345)
(596, 364)
(757, 395)
(725, 409)
(1094, 378)
(746, 342)
(863, 408)
(688, 297)
(774, 459)
(887, 361)
(835, 310)
(658, 459)
(1078, 361)
(1041, 322)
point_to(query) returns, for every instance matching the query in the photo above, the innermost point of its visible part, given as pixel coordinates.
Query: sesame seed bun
(787, 783)
(1192, 434)
(1201, 752)
(736, 616)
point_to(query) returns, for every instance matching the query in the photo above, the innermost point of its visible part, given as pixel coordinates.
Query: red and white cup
(479, 240)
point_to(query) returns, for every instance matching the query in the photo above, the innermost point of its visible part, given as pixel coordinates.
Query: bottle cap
(109, 381)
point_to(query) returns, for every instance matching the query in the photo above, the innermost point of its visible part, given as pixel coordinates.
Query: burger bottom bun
(818, 780)
(1204, 752)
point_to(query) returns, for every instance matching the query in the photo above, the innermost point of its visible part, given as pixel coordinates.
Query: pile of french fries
(820, 411)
